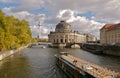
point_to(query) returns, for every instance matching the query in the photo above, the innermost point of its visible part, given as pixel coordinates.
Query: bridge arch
(75, 46)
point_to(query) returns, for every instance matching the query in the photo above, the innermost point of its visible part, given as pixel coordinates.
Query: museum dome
(63, 27)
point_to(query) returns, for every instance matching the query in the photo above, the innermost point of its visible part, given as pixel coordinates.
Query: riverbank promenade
(93, 69)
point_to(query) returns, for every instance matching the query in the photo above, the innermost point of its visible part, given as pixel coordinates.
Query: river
(40, 63)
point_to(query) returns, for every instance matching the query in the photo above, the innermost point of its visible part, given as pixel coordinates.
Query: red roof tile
(110, 26)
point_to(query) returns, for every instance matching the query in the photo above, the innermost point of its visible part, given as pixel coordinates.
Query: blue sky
(40, 10)
(87, 14)
(9, 4)
(84, 16)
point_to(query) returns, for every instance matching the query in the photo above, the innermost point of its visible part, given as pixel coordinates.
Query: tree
(13, 32)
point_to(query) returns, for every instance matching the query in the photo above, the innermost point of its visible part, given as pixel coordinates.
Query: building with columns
(110, 34)
(63, 34)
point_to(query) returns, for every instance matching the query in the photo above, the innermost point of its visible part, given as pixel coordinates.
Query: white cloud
(66, 15)
(7, 10)
(81, 24)
(43, 31)
(31, 18)
(104, 10)
(78, 23)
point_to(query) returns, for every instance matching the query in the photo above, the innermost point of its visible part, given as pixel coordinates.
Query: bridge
(68, 45)
(39, 43)
(44, 43)
(93, 69)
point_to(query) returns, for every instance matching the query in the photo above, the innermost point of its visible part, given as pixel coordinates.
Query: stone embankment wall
(111, 50)
(102, 49)
(94, 48)
(8, 53)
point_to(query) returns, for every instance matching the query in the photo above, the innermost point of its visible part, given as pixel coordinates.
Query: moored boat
(77, 68)
(69, 69)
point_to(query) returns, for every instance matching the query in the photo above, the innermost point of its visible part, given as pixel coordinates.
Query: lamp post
(74, 37)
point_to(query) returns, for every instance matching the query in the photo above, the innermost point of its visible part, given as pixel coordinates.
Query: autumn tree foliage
(14, 33)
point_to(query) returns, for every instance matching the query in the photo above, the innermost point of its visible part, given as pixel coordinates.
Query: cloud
(25, 5)
(67, 15)
(5, 1)
(31, 18)
(80, 23)
(43, 31)
(104, 12)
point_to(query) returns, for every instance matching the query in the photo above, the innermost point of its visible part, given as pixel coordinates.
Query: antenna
(39, 24)
(39, 33)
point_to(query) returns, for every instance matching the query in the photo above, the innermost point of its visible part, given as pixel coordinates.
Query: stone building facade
(90, 38)
(110, 34)
(63, 34)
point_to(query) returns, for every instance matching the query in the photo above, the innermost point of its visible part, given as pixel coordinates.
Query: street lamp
(74, 37)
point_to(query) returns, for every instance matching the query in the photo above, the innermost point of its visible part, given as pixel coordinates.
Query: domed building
(63, 27)
(64, 35)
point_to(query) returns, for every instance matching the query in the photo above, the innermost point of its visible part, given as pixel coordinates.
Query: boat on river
(69, 69)
(81, 68)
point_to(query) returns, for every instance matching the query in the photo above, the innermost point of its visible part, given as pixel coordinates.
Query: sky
(85, 16)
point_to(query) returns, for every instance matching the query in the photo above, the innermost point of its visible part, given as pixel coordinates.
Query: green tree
(13, 32)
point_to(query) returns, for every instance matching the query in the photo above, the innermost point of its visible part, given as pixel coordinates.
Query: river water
(40, 63)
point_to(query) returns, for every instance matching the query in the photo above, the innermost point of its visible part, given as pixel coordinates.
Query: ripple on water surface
(40, 63)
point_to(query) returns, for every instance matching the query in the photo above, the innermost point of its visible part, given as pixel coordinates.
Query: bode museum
(64, 35)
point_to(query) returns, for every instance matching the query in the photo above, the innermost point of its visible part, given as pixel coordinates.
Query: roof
(110, 26)
(63, 26)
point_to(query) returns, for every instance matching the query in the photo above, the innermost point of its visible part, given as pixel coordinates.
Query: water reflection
(15, 68)
(31, 63)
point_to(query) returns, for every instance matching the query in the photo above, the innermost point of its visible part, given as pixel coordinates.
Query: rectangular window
(57, 40)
